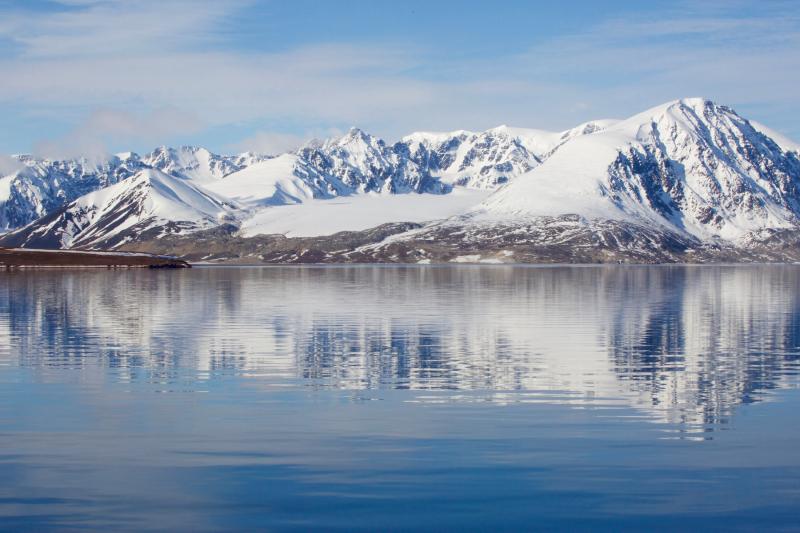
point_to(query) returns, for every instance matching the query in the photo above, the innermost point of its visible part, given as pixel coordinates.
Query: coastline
(21, 258)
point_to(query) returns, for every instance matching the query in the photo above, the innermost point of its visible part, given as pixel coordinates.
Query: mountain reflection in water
(685, 345)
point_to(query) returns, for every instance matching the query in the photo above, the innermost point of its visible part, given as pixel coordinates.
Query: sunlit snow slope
(691, 165)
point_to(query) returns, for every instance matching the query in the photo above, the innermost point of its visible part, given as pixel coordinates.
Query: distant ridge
(687, 180)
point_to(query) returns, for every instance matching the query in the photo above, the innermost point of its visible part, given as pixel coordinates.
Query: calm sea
(401, 398)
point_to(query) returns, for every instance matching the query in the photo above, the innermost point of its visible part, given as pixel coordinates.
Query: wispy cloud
(9, 165)
(270, 142)
(120, 64)
(110, 28)
(91, 137)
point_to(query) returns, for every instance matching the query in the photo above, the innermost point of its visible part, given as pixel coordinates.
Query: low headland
(17, 258)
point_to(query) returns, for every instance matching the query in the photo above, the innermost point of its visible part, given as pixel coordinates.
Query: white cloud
(92, 136)
(270, 142)
(9, 165)
(118, 56)
(113, 28)
(222, 88)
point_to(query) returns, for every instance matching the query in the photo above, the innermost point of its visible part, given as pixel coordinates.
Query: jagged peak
(697, 105)
(356, 133)
(423, 137)
(684, 114)
(180, 149)
(162, 149)
(590, 127)
(354, 136)
(694, 102)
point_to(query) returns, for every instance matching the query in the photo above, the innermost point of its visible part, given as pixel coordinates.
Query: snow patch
(358, 212)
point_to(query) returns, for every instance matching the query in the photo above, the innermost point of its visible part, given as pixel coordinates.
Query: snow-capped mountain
(365, 163)
(687, 180)
(39, 187)
(150, 204)
(480, 160)
(485, 160)
(282, 180)
(196, 163)
(691, 166)
(354, 163)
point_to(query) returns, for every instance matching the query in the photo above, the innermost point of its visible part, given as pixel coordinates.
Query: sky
(87, 77)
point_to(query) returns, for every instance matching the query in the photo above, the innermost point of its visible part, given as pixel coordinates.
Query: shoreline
(27, 259)
(12, 259)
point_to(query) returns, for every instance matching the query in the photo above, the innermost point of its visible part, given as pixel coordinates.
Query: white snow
(5, 188)
(567, 183)
(358, 212)
(194, 163)
(357, 182)
(691, 135)
(270, 182)
(538, 142)
(780, 139)
(151, 196)
(434, 137)
(466, 259)
(162, 196)
(486, 159)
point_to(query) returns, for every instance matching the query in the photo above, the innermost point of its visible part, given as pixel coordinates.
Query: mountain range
(689, 180)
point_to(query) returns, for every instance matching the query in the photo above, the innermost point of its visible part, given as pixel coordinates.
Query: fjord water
(399, 398)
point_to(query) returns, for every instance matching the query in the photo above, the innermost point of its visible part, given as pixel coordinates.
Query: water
(399, 398)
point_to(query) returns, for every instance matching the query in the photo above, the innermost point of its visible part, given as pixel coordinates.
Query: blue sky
(88, 76)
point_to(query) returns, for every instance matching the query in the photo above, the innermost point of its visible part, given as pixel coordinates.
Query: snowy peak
(151, 203)
(432, 138)
(286, 179)
(691, 165)
(40, 186)
(688, 114)
(723, 176)
(363, 163)
(354, 138)
(587, 128)
(354, 163)
(358, 149)
(476, 160)
(537, 142)
(486, 160)
(692, 119)
(160, 195)
(192, 162)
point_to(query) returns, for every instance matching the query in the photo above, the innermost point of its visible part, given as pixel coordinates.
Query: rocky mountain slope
(354, 163)
(688, 180)
(487, 159)
(150, 204)
(690, 166)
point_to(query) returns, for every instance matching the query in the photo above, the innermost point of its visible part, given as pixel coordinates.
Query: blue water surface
(401, 398)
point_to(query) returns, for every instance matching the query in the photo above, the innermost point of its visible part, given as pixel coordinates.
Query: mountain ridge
(689, 173)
